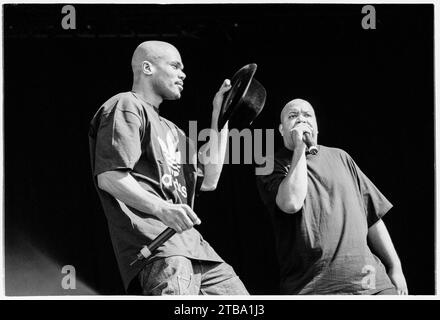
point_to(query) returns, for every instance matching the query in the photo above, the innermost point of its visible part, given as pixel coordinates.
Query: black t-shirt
(322, 249)
(128, 134)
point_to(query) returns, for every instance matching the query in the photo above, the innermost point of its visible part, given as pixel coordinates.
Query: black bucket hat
(244, 101)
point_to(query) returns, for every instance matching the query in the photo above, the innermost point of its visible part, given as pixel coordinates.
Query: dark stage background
(373, 92)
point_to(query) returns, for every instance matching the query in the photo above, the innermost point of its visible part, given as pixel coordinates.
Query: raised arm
(212, 153)
(293, 189)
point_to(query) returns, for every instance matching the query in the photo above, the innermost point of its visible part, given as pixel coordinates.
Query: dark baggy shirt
(322, 249)
(128, 134)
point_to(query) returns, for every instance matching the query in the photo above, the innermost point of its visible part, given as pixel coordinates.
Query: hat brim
(241, 81)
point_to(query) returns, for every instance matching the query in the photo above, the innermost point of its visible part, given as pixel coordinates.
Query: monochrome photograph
(219, 149)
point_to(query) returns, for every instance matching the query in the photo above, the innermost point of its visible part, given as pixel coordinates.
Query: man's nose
(301, 118)
(182, 75)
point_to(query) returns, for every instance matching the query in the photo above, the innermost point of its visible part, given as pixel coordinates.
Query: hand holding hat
(244, 101)
(220, 96)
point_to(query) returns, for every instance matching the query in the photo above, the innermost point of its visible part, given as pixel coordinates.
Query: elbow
(103, 181)
(208, 187)
(209, 183)
(289, 206)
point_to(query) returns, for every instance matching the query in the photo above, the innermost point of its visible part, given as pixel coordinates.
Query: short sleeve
(200, 176)
(118, 140)
(375, 203)
(268, 184)
(194, 169)
(200, 167)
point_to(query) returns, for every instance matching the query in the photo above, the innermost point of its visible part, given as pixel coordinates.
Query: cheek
(286, 131)
(313, 123)
(164, 82)
(289, 124)
(170, 80)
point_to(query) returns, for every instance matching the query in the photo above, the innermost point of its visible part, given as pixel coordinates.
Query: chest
(163, 142)
(333, 202)
(333, 178)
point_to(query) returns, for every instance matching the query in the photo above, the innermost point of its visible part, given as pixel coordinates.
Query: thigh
(220, 279)
(169, 276)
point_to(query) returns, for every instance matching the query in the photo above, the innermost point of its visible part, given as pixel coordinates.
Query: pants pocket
(185, 284)
(168, 276)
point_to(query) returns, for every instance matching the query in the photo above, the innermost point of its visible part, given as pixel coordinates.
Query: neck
(146, 92)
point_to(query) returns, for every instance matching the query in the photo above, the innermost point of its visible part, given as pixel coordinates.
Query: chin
(175, 96)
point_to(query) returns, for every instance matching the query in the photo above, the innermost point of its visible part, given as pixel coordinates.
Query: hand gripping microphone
(157, 242)
(311, 146)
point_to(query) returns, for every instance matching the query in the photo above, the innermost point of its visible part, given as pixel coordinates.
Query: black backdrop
(372, 90)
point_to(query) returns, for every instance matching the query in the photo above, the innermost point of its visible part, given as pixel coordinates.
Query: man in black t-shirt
(147, 173)
(326, 213)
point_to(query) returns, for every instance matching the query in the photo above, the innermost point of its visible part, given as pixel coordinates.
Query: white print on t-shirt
(172, 159)
(171, 154)
(369, 281)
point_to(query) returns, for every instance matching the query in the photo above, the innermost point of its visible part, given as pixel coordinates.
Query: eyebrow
(296, 111)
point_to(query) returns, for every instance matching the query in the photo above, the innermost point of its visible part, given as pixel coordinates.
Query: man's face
(295, 112)
(168, 74)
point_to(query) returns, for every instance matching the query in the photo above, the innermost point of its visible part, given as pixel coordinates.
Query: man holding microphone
(327, 216)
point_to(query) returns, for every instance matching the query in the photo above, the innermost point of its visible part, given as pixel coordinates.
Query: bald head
(157, 72)
(152, 51)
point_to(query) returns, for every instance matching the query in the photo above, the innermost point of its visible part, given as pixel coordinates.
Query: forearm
(125, 188)
(293, 189)
(382, 245)
(213, 164)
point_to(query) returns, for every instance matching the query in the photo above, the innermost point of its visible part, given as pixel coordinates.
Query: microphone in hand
(311, 146)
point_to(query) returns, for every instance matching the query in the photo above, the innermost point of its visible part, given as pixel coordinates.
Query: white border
(253, 297)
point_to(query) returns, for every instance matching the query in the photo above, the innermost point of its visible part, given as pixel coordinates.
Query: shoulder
(337, 156)
(123, 107)
(282, 157)
(124, 101)
(275, 164)
(335, 152)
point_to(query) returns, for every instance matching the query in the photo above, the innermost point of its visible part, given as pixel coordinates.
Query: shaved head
(157, 72)
(152, 51)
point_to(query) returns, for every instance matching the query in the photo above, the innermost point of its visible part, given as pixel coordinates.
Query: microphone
(311, 146)
(157, 242)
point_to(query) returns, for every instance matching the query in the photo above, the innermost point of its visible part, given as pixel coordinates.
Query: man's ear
(280, 128)
(147, 67)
